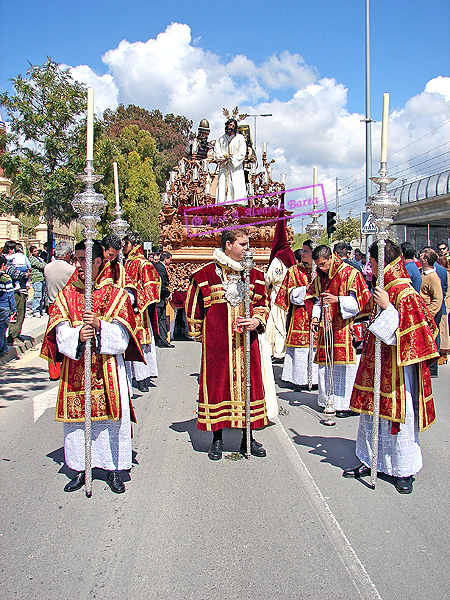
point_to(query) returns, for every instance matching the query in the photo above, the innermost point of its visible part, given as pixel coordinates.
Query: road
(284, 527)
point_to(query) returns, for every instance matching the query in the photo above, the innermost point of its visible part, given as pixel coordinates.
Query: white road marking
(349, 558)
(43, 401)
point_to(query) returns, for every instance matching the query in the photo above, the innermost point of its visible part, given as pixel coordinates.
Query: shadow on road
(201, 440)
(339, 452)
(13, 387)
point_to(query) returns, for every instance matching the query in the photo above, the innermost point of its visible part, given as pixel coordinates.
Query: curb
(19, 348)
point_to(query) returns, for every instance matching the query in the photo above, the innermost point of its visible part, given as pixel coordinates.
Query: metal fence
(427, 187)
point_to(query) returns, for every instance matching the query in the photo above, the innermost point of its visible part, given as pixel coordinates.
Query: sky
(302, 62)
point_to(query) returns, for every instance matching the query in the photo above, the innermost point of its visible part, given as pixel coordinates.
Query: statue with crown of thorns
(230, 151)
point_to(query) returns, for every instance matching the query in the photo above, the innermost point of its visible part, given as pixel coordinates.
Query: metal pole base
(88, 494)
(329, 413)
(328, 422)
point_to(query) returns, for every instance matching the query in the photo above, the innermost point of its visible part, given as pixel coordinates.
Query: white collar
(428, 271)
(220, 257)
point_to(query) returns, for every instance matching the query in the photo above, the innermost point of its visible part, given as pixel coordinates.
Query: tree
(348, 229)
(171, 134)
(134, 150)
(45, 147)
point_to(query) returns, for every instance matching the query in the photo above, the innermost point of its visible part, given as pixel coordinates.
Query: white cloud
(310, 124)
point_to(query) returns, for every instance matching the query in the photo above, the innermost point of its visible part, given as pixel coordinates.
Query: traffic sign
(367, 225)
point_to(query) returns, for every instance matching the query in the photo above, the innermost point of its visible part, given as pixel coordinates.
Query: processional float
(383, 207)
(89, 205)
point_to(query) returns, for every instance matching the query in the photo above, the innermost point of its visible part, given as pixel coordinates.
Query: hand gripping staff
(247, 262)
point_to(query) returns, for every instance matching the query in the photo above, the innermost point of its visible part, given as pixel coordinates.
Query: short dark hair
(9, 245)
(429, 255)
(164, 255)
(298, 255)
(112, 240)
(391, 251)
(3, 260)
(230, 235)
(340, 248)
(97, 248)
(408, 250)
(31, 248)
(134, 238)
(308, 243)
(358, 250)
(321, 251)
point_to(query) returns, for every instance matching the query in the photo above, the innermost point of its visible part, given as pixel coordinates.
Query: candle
(195, 173)
(116, 183)
(384, 128)
(194, 146)
(90, 125)
(264, 147)
(315, 186)
(283, 178)
(182, 168)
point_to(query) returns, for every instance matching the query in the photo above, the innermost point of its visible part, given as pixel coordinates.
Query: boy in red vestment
(407, 332)
(110, 325)
(214, 303)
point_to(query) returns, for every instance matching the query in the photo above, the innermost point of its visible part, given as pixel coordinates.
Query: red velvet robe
(415, 345)
(147, 284)
(109, 302)
(211, 319)
(340, 281)
(298, 332)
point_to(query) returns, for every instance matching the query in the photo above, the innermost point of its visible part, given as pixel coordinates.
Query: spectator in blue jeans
(7, 304)
(37, 281)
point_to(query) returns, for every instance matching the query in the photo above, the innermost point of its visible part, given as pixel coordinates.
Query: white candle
(283, 178)
(315, 185)
(116, 183)
(264, 147)
(194, 146)
(90, 125)
(384, 128)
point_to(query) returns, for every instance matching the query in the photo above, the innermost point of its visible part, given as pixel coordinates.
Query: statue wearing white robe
(231, 179)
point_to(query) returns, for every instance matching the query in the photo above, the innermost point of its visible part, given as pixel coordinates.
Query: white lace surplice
(398, 455)
(111, 441)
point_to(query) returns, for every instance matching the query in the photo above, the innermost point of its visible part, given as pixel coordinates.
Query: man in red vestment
(407, 332)
(291, 298)
(110, 325)
(215, 315)
(341, 293)
(147, 284)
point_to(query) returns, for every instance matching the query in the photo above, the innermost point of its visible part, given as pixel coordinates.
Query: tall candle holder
(89, 205)
(119, 226)
(383, 208)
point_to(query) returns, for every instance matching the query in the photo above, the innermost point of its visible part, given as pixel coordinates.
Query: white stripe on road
(43, 401)
(351, 562)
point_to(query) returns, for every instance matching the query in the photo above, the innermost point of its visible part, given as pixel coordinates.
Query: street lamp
(254, 117)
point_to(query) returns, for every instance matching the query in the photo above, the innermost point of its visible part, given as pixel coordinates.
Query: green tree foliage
(44, 147)
(348, 229)
(134, 150)
(171, 134)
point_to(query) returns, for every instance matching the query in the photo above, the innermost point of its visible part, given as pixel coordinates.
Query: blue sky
(248, 53)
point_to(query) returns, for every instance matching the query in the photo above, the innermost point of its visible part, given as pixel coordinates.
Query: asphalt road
(284, 527)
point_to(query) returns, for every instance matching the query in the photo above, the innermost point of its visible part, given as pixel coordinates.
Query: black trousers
(162, 321)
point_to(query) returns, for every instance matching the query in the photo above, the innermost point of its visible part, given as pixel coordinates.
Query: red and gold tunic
(147, 284)
(298, 332)
(340, 281)
(115, 273)
(109, 302)
(415, 345)
(211, 319)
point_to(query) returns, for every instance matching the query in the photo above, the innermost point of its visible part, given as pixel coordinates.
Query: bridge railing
(420, 189)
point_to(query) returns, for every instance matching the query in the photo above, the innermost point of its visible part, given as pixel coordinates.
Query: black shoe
(142, 386)
(300, 388)
(277, 361)
(10, 340)
(164, 344)
(357, 472)
(115, 483)
(215, 450)
(256, 449)
(404, 485)
(76, 483)
(341, 414)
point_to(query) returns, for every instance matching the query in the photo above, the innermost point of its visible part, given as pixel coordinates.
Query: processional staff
(247, 262)
(119, 225)
(383, 207)
(89, 205)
